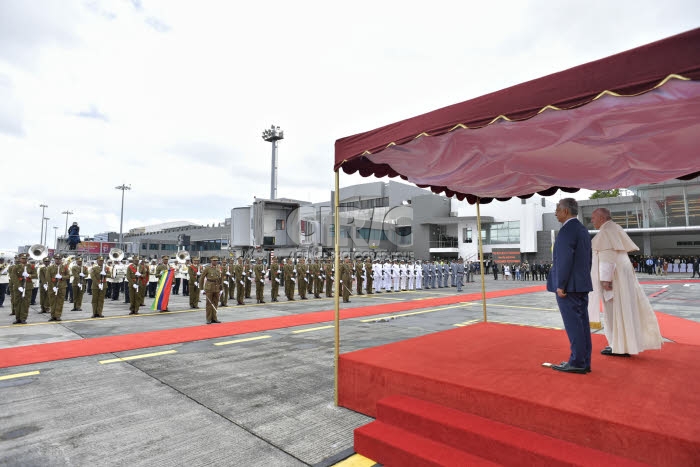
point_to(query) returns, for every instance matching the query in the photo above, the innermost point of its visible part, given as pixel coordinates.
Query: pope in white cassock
(629, 321)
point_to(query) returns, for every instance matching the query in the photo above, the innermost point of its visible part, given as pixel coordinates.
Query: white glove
(80, 286)
(21, 289)
(293, 279)
(59, 277)
(199, 274)
(55, 290)
(225, 282)
(262, 281)
(136, 286)
(138, 274)
(103, 273)
(46, 286)
(81, 274)
(341, 281)
(99, 286)
(204, 292)
(195, 284)
(242, 283)
(25, 275)
(278, 281)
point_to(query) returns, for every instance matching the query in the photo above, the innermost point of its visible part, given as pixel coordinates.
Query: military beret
(165, 257)
(56, 256)
(196, 258)
(214, 258)
(100, 258)
(23, 255)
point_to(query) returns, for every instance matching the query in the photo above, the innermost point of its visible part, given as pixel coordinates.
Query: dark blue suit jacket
(571, 264)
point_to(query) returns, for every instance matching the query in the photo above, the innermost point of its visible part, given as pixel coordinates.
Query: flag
(165, 286)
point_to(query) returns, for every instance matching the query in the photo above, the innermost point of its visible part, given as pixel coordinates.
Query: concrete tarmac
(261, 399)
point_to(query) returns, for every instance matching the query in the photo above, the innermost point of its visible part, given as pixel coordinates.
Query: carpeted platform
(679, 330)
(38, 353)
(645, 408)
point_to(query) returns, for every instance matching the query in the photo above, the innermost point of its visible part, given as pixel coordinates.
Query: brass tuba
(115, 254)
(38, 252)
(182, 256)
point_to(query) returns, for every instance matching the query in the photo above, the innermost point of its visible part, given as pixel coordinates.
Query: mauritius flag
(165, 285)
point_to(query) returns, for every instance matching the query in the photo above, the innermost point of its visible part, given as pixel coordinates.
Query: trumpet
(38, 252)
(115, 254)
(182, 256)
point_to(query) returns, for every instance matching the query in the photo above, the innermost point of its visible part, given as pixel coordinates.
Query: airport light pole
(55, 241)
(67, 213)
(46, 230)
(122, 187)
(272, 135)
(43, 207)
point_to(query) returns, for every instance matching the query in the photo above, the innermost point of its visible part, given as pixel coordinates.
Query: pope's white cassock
(628, 320)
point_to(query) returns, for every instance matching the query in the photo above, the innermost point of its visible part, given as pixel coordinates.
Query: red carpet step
(644, 408)
(487, 439)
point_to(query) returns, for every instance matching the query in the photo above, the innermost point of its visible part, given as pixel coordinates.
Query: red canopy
(624, 120)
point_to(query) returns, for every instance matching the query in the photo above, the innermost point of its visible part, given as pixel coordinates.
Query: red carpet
(644, 408)
(679, 330)
(38, 353)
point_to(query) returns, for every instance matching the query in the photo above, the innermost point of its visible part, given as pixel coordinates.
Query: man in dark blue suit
(570, 279)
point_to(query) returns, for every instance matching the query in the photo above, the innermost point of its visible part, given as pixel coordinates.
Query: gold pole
(481, 257)
(336, 282)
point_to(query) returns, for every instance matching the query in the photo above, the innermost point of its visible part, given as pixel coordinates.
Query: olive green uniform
(44, 282)
(289, 280)
(370, 277)
(57, 288)
(79, 285)
(22, 299)
(315, 273)
(259, 271)
(274, 280)
(143, 282)
(225, 283)
(302, 280)
(329, 272)
(211, 282)
(360, 276)
(99, 289)
(238, 272)
(346, 281)
(132, 279)
(193, 274)
(248, 279)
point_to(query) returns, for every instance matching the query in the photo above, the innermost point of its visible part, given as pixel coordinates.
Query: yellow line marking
(518, 306)
(467, 323)
(136, 357)
(19, 375)
(299, 331)
(526, 325)
(356, 460)
(247, 339)
(391, 298)
(417, 312)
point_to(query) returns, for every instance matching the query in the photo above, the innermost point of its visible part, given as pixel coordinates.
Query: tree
(605, 194)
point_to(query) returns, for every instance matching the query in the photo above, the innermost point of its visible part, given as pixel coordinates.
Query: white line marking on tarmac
(299, 331)
(247, 339)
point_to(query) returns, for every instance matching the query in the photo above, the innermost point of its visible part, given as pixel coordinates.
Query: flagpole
(336, 282)
(481, 257)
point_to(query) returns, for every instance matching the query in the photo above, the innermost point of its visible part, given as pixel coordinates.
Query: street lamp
(122, 187)
(66, 212)
(46, 231)
(55, 242)
(43, 207)
(273, 135)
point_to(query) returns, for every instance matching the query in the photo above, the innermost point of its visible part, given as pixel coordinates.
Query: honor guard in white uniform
(402, 275)
(395, 276)
(418, 274)
(377, 272)
(409, 276)
(386, 268)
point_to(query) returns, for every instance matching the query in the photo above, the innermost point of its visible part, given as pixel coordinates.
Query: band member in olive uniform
(329, 272)
(369, 274)
(290, 278)
(194, 272)
(239, 275)
(274, 279)
(44, 282)
(21, 279)
(346, 279)
(226, 282)
(259, 271)
(360, 276)
(248, 278)
(302, 278)
(211, 283)
(58, 274)
(231, 279)
(99, 274)
(314, 272)
(79, 274)
(143, 279)
(322, 274)
(132, 277)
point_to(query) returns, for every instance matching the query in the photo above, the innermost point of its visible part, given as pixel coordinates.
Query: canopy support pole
(336, 282)
(481, 257)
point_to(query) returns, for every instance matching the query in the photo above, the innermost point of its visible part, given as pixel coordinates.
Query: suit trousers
(574, 313)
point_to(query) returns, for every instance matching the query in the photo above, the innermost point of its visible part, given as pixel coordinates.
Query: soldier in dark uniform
(322, 275)
(99, 274)
(274, 279)
(303, 278)
(290, 278)
(21, 278)
(248, 278)
(259, 272)
(369, 273)
(315, 273)
(59, 275)
(79, 273)
(360, 275)
(44, 282)
(239, 277)
(329, 271)
(194, 273)
(133, 283)
(210, 282)
(231, 279)
(226, 283)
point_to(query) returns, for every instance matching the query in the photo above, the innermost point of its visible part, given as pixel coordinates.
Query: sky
(171, 96)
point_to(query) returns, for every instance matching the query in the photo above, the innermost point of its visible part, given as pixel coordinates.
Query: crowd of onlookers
(663, 265)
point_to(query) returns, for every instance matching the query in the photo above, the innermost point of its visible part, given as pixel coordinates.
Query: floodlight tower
(273, 135)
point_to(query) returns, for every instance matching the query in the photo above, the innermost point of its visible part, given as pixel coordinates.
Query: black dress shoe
(74, 309)
(17, 322)
(566, 368)
(50, 319)
(208, 322)
(608, 351)
(24, 321)
(215, 321)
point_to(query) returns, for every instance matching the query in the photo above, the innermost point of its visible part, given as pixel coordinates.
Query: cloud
(157, 24)
(92, 113)
(10, 110)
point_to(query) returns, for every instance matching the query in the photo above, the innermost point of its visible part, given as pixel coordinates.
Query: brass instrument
(38, 252)
(182, 256)
(115, 254)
